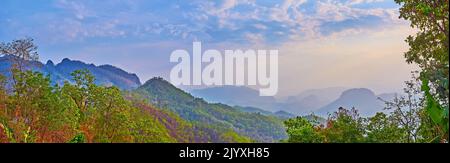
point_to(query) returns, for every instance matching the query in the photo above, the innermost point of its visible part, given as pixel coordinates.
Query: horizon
(189, 90)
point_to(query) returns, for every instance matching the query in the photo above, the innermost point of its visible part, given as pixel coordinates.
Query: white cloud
(355, 2)
(78, 9)
(260, 26)
(254, 38)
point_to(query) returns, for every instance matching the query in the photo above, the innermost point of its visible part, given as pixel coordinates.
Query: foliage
(385, 129)
(301, 130)
(219, 117)
(429, 49)
(344, 126)
(21, 51)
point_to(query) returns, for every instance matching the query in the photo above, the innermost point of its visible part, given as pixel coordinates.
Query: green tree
(35, 111)
(382, 128)
(300, 130)
(102, 112)
(429, 49)
(345, 126)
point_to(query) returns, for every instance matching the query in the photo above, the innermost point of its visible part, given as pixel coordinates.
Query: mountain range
(237, 95)
(105, 74)
(317, 101)
(311, 100)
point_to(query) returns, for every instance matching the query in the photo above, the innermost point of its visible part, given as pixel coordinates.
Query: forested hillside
(219, 116)
(35, 111)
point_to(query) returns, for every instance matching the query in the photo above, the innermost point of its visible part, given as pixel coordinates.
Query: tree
(429, 49)
(300, 130)
(2, 88)
(345, 126)
(382, 128)
(20, 52)
(35, 111)
(406, 110)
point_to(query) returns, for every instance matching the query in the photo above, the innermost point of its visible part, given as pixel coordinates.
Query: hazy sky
(322, 43)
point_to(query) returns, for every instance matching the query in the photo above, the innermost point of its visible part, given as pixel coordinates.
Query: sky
(321, 43)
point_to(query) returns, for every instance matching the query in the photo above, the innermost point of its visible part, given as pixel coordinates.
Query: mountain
(257, 126)
(181, 130)
(327, 94)
(311, 100)
(304, 103)
(173, 128)
(105, 74)
(363, 99)
(234, 95)
(388, 96)
(249, 109)
(283, 114)
(280, 114)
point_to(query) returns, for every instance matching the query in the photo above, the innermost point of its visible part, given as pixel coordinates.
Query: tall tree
(20, 51)
(429, 49)
(407, 110)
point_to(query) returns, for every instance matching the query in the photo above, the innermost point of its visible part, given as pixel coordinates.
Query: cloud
(228, 4)
(254, 38)
(82, 20)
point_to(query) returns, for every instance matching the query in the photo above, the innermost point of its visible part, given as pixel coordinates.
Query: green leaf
(436, 113)
(446, 111)
(79, 138)
(425, 86)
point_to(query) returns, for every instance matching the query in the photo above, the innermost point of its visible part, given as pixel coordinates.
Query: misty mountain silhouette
(312, 99)
(319, 101)
(363, 99)
(234, 95)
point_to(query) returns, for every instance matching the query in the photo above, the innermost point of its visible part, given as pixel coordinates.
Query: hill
(311, 100)
(363, 99)
(257, 126)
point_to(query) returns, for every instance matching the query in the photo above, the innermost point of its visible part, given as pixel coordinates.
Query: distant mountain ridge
(105, 74)
(318, 101)
(237, 95)
(279, 114)
(312, 99)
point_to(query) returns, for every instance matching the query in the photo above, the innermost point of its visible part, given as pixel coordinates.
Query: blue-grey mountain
(105, 74)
